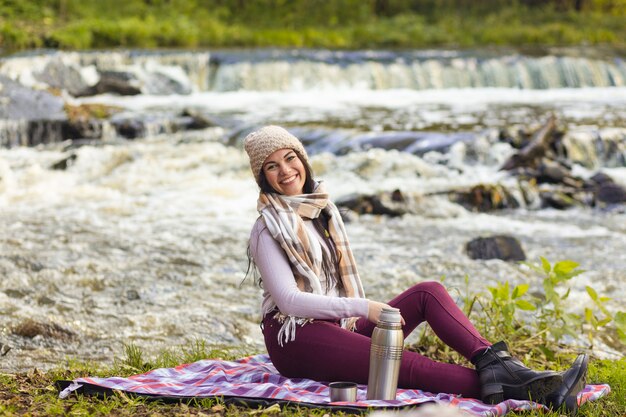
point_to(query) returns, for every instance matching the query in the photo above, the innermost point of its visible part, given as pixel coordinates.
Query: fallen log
(531, 154)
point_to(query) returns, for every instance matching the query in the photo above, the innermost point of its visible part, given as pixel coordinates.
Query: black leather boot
(503, 377)
(574, 380)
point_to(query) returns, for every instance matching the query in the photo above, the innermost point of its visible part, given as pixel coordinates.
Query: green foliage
(16, 37)
(551, 318)
(540, 323)
(73, 36)
(620, 324)
(85, 24)
(554, 317)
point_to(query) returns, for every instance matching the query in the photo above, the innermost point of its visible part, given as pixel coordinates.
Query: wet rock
(87, 121)
(44, 300)
(198, 120)
(517, 139)
(551, 173)
(348, 216)
(25, 263)
(610, 193)
(417, 143)
(83, 129)
(502, 247)
(58, 75)
(391, 204)
(159, 83)
(557, 199)
(601, 178)
(4, 349)
(29, 117)
(593, 147)
(485, 197)
(64, 163)
(185, 262)
(115, 82)
(14, 293)
(137, 126)
(132, 295)
(22, 103)
(31, 329)
(129, 128)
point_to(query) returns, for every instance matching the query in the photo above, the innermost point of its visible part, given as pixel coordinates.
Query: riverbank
(134, 24)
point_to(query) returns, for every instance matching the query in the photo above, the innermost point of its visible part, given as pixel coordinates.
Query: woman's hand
(374, 309)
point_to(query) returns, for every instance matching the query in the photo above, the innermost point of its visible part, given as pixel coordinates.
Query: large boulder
(29, 117)
(22, 103)
(57, 74)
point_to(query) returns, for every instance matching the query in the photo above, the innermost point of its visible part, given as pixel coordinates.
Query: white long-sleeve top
(280, 285)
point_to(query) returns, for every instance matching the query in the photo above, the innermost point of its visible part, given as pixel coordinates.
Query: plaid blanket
(255, 377)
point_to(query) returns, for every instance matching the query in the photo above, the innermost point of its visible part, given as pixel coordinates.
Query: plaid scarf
(283, 217)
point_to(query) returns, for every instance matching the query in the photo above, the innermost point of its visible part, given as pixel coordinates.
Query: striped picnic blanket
(255, 377)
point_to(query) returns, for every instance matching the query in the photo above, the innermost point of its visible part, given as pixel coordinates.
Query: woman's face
(285, 172)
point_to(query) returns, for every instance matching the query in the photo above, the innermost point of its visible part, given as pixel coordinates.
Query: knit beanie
(263, 142)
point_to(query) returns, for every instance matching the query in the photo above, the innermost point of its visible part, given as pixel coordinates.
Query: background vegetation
(87, 24)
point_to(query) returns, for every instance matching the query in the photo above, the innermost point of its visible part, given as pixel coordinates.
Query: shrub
(540, 324)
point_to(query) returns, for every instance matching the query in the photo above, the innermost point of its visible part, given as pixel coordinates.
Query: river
(145, 240)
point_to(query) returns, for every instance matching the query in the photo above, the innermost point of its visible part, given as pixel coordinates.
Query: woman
(317, 322)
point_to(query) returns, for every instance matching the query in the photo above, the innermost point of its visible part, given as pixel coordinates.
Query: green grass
(33, 393)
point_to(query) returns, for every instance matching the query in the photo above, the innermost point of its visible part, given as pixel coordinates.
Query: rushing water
(145, 240)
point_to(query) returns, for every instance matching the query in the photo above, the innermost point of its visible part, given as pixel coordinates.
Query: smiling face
(285, 172)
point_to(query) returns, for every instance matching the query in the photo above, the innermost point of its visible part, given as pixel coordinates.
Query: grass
(33, 393)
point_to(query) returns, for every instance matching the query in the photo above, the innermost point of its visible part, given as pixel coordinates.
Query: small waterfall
(13, 133)
(30, 132)
(314, 70)
(419, 74)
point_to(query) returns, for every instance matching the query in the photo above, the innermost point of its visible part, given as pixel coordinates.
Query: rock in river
(502, 247)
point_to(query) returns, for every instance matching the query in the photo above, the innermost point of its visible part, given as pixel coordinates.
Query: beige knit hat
(263, 142)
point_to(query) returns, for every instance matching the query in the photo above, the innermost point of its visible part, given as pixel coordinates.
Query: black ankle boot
(564, 399)
(503, 377)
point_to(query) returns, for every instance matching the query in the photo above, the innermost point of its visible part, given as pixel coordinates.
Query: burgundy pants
(324, 351)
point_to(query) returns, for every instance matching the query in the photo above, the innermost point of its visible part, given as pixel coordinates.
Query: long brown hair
(330, 265)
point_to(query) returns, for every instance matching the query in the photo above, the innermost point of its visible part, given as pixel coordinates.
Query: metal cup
(342, 391)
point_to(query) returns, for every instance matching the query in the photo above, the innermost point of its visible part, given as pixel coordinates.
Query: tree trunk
(578, 5)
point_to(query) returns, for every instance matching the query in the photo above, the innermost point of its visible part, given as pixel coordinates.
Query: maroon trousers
(324, 351)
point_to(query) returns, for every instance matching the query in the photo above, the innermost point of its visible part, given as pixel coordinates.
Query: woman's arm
(279, 281)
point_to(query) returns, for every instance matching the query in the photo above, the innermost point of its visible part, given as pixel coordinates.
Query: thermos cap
(390, 315)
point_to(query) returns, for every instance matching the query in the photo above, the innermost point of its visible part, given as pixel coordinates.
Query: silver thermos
(385, 356)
